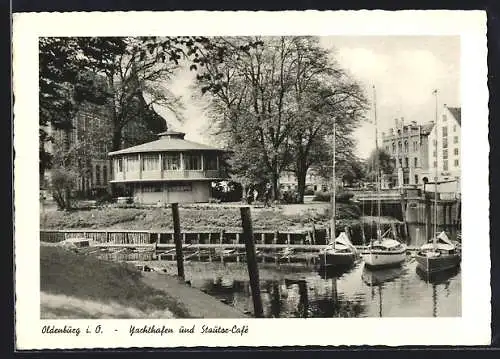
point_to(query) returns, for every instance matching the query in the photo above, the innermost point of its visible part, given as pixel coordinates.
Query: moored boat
(340, 254)
(384, 253)
(439, 255)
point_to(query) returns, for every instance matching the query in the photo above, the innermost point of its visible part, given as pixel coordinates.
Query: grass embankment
(78, 286)
(200, 217)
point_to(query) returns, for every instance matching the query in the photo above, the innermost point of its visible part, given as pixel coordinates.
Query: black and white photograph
(248, 176)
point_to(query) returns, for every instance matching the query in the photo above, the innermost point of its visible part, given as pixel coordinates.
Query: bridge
(394, 196)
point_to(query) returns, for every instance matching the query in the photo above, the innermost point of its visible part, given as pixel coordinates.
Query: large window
(172, 161)
(415, 162)
(193, 162)
(445, 154)
(179, 187)
(456, 163)
(456, 152)
(406, 146)
(445, 142)
(445, 165)
(155, 187)
(211, 162)
(445, 131)
(133, 163)
(455, 139)
(97, 175)
(150, 163)
(105, 174)
(119, 165)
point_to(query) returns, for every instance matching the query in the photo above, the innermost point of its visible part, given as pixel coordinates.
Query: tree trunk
(301, 183)
(117, 139)
(67, 192)
(275, 186)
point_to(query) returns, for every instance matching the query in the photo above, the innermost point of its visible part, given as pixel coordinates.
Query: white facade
(444, 146)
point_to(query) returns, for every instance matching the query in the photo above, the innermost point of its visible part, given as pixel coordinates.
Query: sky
(404, 70)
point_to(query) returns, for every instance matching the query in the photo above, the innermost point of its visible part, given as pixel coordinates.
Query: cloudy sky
(404, 70)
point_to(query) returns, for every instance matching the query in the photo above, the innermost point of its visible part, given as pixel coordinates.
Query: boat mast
(377, 163)
(332, 223)
(434, 240)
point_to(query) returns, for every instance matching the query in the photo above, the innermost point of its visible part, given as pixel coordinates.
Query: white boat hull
(382, 259)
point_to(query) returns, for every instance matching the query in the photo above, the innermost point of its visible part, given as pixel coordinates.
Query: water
(288, 293)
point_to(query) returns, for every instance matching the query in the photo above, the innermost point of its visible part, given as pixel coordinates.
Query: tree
(71, 72)
(379, 162)
(249, 89)
(276, 100)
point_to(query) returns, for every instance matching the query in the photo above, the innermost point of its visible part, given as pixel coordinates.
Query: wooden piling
(443, 209)
(246, 221)
(275, 240)
(237, 242)
(177, 239)
(221, 248)
(428, 224)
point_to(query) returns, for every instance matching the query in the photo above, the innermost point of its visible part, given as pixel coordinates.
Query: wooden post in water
(288, 243)
(443, 208)
(403, 211)
(177, 239)
(237, 242)
(253, 271)
(221, 248)
(450, 221)
(428, 224)
(275, 240)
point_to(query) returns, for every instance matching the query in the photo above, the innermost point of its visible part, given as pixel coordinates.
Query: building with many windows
(444, 146)
(407, 144)
(170, 169)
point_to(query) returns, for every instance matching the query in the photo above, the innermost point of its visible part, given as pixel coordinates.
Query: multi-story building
(288, 181)
(90, 141)
(170, 169)
(444, 147)
(407, 144)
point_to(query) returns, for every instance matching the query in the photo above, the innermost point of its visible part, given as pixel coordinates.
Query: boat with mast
(440, 253)
(340, 253)
(384, 250)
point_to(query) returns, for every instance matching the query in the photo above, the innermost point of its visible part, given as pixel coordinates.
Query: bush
(342, 197)
(309, 192)
(290, 197)
(62, 184)
(106, 198)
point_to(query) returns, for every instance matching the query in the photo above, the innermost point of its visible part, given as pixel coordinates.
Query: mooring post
(428, 224)
(221, 248)
(443, 209)
(178, 240)
(275, 241)
(253, 271)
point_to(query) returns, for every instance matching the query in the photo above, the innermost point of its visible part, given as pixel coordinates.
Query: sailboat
(441, 254)
(340, 253)
(383, 251)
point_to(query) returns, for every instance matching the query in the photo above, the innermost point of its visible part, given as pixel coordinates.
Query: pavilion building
(170, 169)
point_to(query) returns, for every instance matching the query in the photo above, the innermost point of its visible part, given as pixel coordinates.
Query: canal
(302, 292)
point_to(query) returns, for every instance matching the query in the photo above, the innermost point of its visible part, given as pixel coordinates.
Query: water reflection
(359, 292)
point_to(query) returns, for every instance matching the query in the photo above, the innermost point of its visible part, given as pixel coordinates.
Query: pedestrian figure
(249, 195)
(255, 194)
(267, 194)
